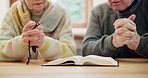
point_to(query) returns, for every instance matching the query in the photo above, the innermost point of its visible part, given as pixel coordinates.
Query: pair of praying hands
(126, 33)
(35, 36)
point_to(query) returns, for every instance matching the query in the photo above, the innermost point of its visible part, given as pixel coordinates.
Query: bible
(90, 60)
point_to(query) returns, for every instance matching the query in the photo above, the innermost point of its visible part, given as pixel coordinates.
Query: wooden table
(128, 68)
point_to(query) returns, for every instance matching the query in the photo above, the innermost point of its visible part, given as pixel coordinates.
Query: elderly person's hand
(126, 33)
(35, 36)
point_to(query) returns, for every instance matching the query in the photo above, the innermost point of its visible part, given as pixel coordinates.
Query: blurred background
(78, 10)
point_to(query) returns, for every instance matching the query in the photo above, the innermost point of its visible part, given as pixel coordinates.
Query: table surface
(128, 68)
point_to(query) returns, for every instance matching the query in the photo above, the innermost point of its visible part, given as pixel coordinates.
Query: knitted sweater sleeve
(143, 46)
(62, 47)
(11, 46)
(95, 42)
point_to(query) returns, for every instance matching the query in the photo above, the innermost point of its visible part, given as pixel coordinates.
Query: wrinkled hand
(35, 36)
(126, 33)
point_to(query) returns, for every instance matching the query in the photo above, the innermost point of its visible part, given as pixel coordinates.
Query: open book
(87, 60)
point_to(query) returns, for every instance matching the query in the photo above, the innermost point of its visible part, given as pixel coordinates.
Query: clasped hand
(35, 36)
(126, 33)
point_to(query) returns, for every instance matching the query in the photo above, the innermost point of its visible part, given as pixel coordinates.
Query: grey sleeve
(143, 46)
(95, 42)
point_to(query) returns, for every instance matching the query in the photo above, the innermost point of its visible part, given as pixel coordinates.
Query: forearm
(54, 49)
(11, 45)
(143, 46)
(102, 47)
(12, 50)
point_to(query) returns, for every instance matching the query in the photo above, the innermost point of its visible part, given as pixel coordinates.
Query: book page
(75, 59)
(98, 60)
(87, 60)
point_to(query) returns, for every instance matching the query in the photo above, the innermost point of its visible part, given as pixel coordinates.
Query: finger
(128, 34)
(120, 30)
(39, 27)
(127, 42)
(40, 34)
(27, 39)
(129, 27)
(34, 35)
(24, 35)
(132, 17)
(131, 22)
(118, 23)
(29, 26)
(121, 39)
(123, 22)
(37, 43)
(34, 42)
(37, 35)
(32, 32)
(38, 38)
(118, 40)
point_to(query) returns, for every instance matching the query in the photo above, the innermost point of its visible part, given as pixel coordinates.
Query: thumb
(132, 17)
